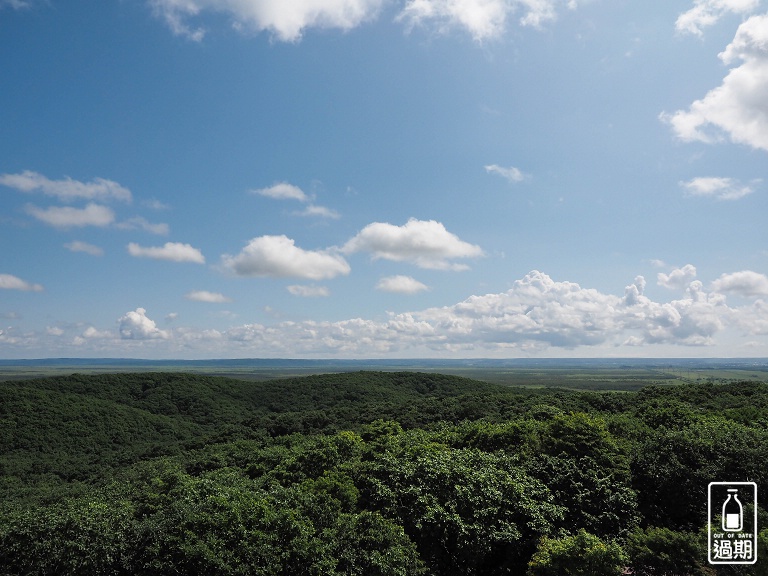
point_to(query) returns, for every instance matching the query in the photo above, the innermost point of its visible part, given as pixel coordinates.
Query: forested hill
(74, 427)
(367, 473)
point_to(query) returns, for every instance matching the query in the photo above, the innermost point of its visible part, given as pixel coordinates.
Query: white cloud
(283, 191)
(536, 314)
(68, 217)
(720, 188)
(286, 20)
(286, 191)
(205, 296)
(16, 4)
(511, 174)
(483, 19)
(137, 326)
(279, 257)
(425, 243)
(91, 332)
(139, 223)
(745, 283)
(705, 13)
(173, 251)
(79, 246)
(67, 189)
(155, 204)
(309, 291)
(10, 282)
(321, 211)
(401, 284)
(738, 107)
(678, 279)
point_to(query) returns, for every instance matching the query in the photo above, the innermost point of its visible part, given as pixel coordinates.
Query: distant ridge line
(391, 363)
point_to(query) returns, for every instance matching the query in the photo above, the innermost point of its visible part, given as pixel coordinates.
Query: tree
(582, 554)
(663, 552)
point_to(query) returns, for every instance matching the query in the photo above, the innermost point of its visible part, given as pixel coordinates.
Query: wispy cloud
(309, 291)
(319, 211)
(510, 174)
(401, 285)
(79, 246)
(205, 296)
(172, 251)
(706, 13)
(10, 282)
(140, 223)
(69, 217)
(720, 188)
(286, 191)
(67, 189)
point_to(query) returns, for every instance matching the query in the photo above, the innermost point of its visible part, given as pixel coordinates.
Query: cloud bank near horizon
(537, 315)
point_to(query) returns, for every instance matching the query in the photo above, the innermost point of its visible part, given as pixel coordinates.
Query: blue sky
(383, 178)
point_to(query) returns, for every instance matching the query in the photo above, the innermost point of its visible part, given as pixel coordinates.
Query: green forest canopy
(367, 473)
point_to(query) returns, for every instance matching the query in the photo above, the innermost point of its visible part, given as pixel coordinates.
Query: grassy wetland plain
(586, 374)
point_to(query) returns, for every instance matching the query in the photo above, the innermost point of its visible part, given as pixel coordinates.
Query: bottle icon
(733, 513)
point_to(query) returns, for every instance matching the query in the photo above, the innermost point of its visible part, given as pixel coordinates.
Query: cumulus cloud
(10, 282)
(67, 189)
(720, 188)
(738, 107)
(425, 243)
(745, 283)
(173, 251)
(308, 291)
(136, 325)
(705, 13)
(287, 21)
(511, 174)
(401, 285)
(279, 257)
(68, 217)
(93, 333)
(79, 246)
(205, 296)
(536, 314)
(678, 279)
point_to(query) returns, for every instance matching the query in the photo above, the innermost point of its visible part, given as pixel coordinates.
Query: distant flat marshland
(575, 373)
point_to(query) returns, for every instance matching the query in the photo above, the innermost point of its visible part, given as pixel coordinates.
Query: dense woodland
(368, 473)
